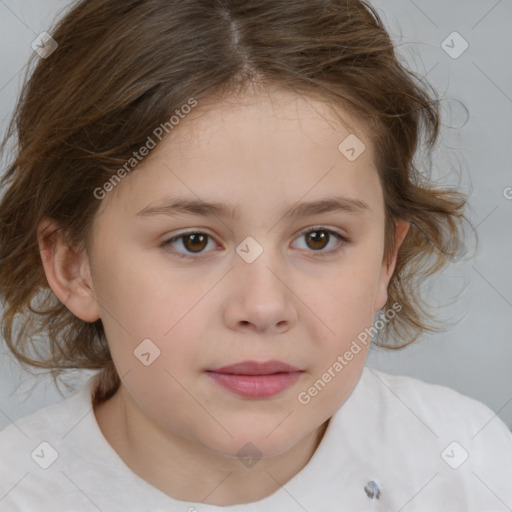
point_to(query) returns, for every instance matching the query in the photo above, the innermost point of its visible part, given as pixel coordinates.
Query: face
(270, 283)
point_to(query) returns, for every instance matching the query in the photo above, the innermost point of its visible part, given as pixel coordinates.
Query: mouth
(255, 368)
(251, 379)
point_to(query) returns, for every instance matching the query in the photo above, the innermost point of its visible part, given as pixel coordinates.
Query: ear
(388, 266)
(67, 271)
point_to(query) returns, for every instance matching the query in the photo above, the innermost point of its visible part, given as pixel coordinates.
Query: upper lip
(256, 368)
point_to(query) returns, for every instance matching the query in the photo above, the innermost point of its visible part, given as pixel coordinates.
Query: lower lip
(256, 386)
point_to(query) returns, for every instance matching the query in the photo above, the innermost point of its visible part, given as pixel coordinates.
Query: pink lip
(255, 368)
(251, 379)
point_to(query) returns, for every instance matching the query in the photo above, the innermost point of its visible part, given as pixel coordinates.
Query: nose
(261, 296)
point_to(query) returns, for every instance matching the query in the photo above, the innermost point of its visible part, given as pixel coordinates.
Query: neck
(189, 471)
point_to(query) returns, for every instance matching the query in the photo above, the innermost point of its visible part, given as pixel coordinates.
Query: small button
(372, 490)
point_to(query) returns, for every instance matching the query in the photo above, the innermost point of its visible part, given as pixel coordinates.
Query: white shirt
(424, 447)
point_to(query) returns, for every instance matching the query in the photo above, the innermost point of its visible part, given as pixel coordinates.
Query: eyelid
(322, 227)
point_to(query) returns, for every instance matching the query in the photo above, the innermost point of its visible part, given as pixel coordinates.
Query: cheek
(140, 294)
(152, 303)
(345, 294)
(341, 302)
(341, 339)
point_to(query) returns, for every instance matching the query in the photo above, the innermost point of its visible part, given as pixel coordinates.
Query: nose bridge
(259, 295)
(260, 260)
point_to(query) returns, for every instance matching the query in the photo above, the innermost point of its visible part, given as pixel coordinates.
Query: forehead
(261, 111)
(257, 148)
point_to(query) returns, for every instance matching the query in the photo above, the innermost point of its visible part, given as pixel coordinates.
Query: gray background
(475, 356)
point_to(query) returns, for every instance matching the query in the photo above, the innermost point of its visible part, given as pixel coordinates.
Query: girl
(210, 209)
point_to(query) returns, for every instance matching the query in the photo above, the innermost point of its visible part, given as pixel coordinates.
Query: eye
(194, 242)
(318, 238)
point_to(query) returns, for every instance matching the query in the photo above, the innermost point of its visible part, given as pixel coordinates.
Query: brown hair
(123, 68)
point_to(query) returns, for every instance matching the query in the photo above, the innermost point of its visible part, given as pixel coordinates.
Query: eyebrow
(176, 206)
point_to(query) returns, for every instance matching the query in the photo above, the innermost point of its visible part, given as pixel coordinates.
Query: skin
(263, 151)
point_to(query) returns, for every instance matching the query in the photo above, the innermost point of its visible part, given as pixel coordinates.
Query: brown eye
(195, 242)
(322, 241)
(191, 243)
(317, 240)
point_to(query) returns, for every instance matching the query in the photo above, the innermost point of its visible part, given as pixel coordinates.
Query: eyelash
(342, 241)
